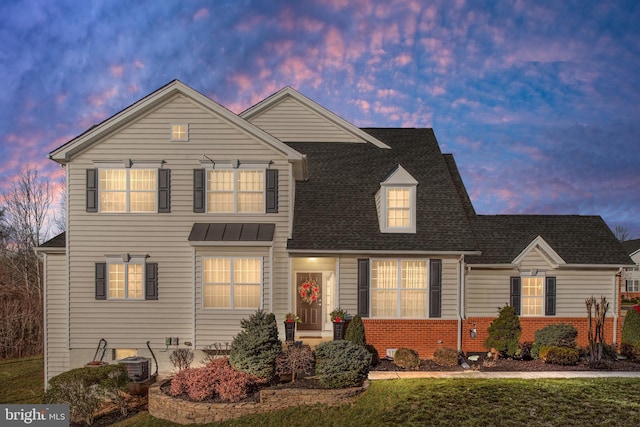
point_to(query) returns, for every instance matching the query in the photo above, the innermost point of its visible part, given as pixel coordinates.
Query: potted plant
(339, 319)
(290, 320)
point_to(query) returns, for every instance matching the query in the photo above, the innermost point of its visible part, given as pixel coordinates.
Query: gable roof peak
(289, 92)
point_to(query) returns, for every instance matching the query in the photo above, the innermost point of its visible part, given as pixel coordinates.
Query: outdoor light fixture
(473, 332)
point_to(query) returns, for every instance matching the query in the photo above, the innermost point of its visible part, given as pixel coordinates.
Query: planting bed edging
(184, 412)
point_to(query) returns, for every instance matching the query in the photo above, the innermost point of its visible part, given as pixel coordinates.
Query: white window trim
(126, 260)
(180, 139)
(635, 284)
(122, 166)
(398, 287)
(528, 275)
(232, 284)
(235, 169)
(386, 228)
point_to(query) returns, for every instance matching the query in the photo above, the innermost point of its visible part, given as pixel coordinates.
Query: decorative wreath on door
(309, 290)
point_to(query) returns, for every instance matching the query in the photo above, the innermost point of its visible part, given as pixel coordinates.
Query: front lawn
(464, 402)
(22, 380)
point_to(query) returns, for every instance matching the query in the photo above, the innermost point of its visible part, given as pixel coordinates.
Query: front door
(309, 301)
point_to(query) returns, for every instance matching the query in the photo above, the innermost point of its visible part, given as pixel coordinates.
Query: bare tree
(25, 210)
(622, 233)
(60, 216)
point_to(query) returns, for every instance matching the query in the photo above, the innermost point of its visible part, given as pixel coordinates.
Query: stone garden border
(181, 411)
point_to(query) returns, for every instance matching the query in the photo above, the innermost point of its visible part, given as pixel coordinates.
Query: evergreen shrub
(504, 332)
(406, 358)
(355, 331)
(446, 357)
(560, 335)
(630, 345)
(255, 348)
(567, 356)
(341, 364)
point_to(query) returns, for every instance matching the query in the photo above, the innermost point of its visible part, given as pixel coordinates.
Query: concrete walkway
(390, 375)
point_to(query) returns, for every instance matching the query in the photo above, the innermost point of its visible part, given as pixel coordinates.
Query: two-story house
(184, 218)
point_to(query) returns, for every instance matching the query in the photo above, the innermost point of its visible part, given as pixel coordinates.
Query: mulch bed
(511, 365)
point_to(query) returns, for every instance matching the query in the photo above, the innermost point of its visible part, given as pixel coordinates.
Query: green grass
(464, 402)
(22, 380)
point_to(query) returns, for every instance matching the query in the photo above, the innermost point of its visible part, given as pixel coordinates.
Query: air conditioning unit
(137, 367)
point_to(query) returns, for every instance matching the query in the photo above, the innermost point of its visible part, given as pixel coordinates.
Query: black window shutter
(164, 190)
(550, 303)
(363, 287)
(514, 297)
(198, 190)
(435, 288)
(272, 191)
(101, 280)
(151, 281)
(92, 190)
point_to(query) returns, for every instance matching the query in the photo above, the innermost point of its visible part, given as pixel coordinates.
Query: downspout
(460, 300)
(616, 307)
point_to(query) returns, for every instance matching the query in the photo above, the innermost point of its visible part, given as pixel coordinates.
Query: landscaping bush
(255, 348)
(560, 335)
(566, 356)
(630, 345)
(524, 351)
(355, 331)
(406, 358)
(181, 358)
(217, 379)
(446, 357)
(504, 332)
(295, 359)
(342, 364)
(85, 389)
(375, 357)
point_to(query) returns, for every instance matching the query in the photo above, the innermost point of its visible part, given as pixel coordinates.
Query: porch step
(313, 341)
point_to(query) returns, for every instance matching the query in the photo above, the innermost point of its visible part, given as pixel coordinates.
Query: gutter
(461, 300)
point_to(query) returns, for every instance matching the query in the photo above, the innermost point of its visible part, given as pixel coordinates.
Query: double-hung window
(235, 190)
(125, 280)
(396, 202)
(532, 296)
(399, 288)
(128, 190)
(232, 282)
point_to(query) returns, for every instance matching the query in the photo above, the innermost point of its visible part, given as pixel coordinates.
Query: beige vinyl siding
(57, 360)
(535, 259)
(290, 121)
(163, 237)
(449, 288)
(221, 325)
(348, 284)
(487, 290)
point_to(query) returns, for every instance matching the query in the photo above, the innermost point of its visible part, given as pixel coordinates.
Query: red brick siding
(424, 336)
(529, 327)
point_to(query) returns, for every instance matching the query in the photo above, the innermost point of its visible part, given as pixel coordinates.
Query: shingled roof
(576, 239)
(335, 208)
(58, 241)
(631, 246)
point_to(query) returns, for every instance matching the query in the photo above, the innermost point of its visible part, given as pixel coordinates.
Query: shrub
(406, 358)
(215, 351)
(181, 358)
(85, 389)
(631, 334)
(446, 357)
(560, 335)
(217, 379)
(355, 331)
(504, 332)
(342, 364)
(560, 355)
(375, 357)
(295, 359)
(255, 348)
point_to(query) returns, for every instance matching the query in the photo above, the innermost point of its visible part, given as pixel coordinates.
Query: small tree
(355, 331)
(295, 359)
(255, 348)
(504, 332)
(596, 312)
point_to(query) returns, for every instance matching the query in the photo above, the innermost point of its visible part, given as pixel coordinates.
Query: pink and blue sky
(539, 101)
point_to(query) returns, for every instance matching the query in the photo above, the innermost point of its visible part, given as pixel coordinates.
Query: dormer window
(180, 132)
(396, 201)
